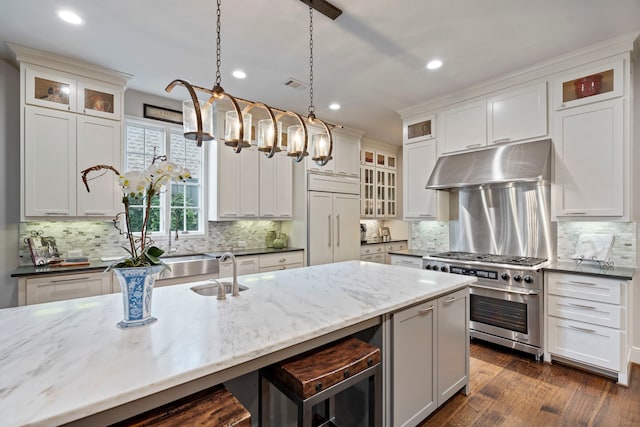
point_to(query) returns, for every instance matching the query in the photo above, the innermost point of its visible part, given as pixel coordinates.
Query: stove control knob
(428, 266)
(435, 268)
(528, 279)
(505, 276)
(445, 269)
(517, 277)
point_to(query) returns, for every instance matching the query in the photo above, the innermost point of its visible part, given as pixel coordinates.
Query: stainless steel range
(506, 302)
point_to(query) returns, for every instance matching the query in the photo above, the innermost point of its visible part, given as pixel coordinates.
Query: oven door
(507, 313)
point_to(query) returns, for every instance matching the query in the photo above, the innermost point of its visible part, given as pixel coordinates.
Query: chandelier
(198, 115)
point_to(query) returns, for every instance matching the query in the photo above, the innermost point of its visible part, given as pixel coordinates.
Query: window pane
(192, 196)
(192, 218)
(177, 195)
(177, 219)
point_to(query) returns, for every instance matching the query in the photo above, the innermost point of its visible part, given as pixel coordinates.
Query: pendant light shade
(267, 138)
(237, 132)
(190, 116)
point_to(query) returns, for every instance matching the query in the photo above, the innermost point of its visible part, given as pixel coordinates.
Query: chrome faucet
(235, 288)
(170, 248)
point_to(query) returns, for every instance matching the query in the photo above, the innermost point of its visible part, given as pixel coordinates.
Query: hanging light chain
(312, 109)
(218, 50)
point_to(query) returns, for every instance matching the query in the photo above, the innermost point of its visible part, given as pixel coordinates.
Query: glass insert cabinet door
(99, 100)
(50, 90)
(588, 85)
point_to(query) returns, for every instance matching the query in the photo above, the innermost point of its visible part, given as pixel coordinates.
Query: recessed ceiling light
(70, 17)
(239, 74)
(434, 64)
(334, 106)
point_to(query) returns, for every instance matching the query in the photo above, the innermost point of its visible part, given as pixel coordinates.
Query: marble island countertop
(66, 360)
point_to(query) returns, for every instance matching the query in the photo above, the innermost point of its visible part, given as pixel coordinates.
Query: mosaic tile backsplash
(100, 239)
(430, 236)
(623, 252)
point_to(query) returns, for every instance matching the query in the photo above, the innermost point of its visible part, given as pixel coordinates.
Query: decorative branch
(85, 172)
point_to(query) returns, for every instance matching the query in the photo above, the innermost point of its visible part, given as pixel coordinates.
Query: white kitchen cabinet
(276, 186)
(405, 260)
(244, 265)
(233, 182)
(453, 344)
(346, 155)
(58, 287)
(610, 76)
(378, 183)
(55, 89)
(419, 129)
(334, 234)
(413, 364)
(419, 203)
(379, 252)
(590, 173)
(518, 114)
(98, 142)
(588, 322)
(396, 246)
(430, 356)
(377, 258)
(58, 146)
(463, 127)
(280, 261)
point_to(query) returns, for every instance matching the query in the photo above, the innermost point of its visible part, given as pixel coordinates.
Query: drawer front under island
(36, 290)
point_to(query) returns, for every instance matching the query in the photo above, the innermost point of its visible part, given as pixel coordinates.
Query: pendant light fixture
(198, 115)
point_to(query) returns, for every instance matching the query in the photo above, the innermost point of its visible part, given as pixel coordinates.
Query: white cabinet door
(406, 261)
(346, 214)
(419, 161)
(347, 152)
(464, 127)
(50, 163)
(517, 115)
(234, 179)
(244, 265)
(65, 287)
(414, 394)
(589, 166)
(453, 344)
(276, 186)
(98, 142)
(320, 228)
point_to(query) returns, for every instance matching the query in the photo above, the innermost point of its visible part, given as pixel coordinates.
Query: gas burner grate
(491, 258)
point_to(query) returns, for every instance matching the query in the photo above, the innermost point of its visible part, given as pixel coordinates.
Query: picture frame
(163, 114)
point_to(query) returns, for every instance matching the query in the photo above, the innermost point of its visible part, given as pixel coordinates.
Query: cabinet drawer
(590, 288)
(58, 288)
(595, 345)
(282, 258)
(379, 258)
(586, 311)
(280, 267)
(401, 246)
(407, 261)
(372, 249)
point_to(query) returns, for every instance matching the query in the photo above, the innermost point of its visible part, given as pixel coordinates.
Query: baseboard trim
(635, 355)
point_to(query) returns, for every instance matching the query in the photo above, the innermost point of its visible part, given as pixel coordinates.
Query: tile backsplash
(100, 239)
(623, 252)
(431, 236)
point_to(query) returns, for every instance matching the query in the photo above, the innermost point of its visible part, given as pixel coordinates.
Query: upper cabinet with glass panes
(69, 92)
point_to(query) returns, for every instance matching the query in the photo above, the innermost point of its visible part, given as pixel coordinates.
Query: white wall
(9, 181)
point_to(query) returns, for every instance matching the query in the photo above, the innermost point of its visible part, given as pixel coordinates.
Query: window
(180, 206)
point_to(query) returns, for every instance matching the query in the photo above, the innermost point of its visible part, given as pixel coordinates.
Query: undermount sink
(190, 265)
(211, 289)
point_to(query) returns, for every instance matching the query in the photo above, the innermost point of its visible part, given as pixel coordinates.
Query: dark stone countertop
(97, 265)
(379, 242)
(592, 269)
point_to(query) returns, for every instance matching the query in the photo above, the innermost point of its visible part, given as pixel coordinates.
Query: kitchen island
(67, 360)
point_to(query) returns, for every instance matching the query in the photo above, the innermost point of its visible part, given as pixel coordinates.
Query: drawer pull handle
(582, 329)
(425, 310)
(449, 301)
(498, 141)
(582, 283)
(575, 213)
(69, 280)
(56, 213)
(588, 307)
(282, 260)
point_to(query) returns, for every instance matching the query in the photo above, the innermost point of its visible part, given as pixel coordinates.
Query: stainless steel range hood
(523, 162)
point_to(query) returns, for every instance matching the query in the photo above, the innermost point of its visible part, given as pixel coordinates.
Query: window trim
(165, 201)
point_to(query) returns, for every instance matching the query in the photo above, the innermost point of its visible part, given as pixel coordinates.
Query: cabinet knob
(282, 260)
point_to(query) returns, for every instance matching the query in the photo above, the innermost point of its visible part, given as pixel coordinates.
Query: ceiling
(371, 59)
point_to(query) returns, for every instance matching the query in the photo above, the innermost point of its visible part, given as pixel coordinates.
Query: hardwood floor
(509, 388)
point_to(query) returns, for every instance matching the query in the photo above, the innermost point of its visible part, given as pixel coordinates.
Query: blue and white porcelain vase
(137, 289)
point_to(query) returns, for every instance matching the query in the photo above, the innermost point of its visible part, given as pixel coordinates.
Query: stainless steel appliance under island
(67, 362)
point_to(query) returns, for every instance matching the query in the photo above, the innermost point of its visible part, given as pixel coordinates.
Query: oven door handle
(506, 290)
